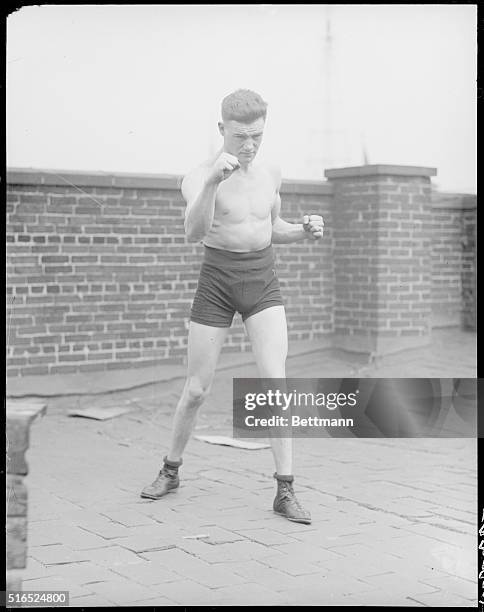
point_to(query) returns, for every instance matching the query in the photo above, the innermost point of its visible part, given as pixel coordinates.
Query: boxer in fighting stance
(233, 207)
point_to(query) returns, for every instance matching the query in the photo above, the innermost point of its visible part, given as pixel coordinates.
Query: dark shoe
(166, 481)
(286, 503)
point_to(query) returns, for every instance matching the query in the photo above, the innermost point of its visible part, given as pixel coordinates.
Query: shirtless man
(233, 207)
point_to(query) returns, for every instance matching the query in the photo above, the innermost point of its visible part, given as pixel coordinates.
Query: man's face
(242, 139)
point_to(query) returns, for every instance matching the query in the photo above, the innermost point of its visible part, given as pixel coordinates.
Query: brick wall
(469, 259)
(453, 259)
(100, 275)
(19, 418)
(382, 257)
(306, 270)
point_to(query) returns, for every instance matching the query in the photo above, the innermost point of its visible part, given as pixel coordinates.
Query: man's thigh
(204, 345)
(267, 331)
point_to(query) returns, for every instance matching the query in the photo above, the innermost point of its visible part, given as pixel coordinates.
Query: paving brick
(193, 568)
(268, 537)
(216, 535)
(249, 594)
(235, 551)
(254, 571)
(187, 592)
(321, 537)
(443, 535)
(148, 573)
(129, 518)
(144, 543)
(372, 564)
(55, 583)
(57, 553)
(162, 511)
(240, 520)
(91, 601)
(83, 572)
(309, 554)
(112, 556)
(104, 528)
(197, 548)
(175, 560)
(401, 584)
(69, 535)
(443, 599)
(333, 583)
(291, 566)
(42, 538)
(122, 591)
(215, 577)
(35, 569)
(153, 602)
(377, 598)
(455, 585)
(388, 535)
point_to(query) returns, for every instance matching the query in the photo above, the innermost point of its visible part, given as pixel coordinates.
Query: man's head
(242, 125)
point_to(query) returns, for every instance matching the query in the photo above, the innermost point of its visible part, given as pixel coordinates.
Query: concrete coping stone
(32, 176)
(460, 201)
(379, 170)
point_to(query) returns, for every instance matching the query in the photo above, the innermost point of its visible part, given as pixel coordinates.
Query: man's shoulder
(202, 168)
(274, 171)
(196, 173)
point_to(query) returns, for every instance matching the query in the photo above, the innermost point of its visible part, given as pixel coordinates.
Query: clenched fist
(314, 225)
(223, 167)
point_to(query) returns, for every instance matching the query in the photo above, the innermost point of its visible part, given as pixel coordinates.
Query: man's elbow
(193, 237)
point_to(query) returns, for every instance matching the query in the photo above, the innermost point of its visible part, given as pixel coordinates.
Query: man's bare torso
(242, 218)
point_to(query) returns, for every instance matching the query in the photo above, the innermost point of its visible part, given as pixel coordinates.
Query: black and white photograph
(241, 331)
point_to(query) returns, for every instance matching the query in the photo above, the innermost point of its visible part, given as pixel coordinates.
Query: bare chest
(241, 198)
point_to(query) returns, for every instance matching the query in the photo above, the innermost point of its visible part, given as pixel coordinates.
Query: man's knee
(197, 391)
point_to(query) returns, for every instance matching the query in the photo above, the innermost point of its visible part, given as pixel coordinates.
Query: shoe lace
(288, 493)
(168, 471)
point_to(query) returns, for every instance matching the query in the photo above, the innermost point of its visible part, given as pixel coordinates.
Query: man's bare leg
(267, 331)
(204, 346)
(268, 336)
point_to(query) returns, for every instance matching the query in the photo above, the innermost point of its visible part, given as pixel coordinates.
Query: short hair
(243, 105)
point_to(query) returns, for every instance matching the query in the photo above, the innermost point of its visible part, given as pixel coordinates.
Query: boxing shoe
(286, 503)
(166, 481)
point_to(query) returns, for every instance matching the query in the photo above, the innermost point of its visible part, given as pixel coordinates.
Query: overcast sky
(138, 88)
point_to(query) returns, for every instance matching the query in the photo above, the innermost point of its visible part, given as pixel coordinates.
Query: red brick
(47, 339)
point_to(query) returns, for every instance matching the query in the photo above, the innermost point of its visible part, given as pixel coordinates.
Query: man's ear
(221, 128)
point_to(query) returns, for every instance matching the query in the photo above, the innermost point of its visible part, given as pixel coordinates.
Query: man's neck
(245, 168)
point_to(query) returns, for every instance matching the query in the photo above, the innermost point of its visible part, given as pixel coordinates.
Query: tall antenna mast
(322, 148)
(327, 135)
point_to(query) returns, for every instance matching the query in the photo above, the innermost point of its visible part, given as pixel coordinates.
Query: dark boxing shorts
(234, 282)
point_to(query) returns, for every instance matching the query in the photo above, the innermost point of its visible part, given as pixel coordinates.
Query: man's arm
(199, 195)
(199, 189)
(284, 232)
